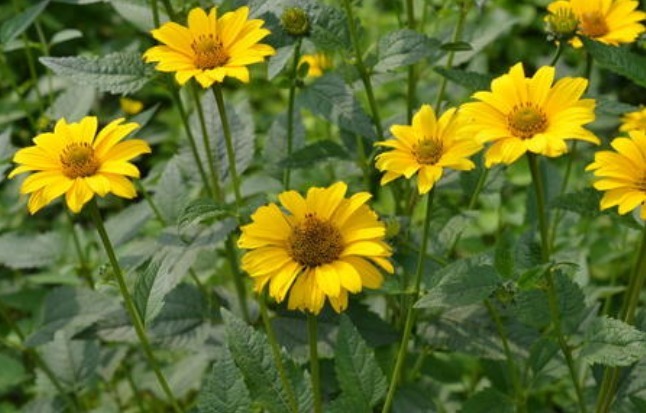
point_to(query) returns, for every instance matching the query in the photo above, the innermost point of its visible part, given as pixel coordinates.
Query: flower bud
(295, 21)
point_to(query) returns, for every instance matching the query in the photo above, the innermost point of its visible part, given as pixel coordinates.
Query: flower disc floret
(77, 161)
(210, 48)
(316, 248)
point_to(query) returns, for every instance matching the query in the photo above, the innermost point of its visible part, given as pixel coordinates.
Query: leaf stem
(312, 334)
(135, 317)
(410, 312)
(290, 110)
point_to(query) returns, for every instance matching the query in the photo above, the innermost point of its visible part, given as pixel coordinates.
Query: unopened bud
(295, 21)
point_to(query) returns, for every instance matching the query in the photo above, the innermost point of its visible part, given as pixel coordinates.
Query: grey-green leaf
(119, 73)
(356, 368)
(73, 104)
(16, 25)
(225, 390)
(402, 48)
(73, 362)
(618, 59)
(199, 210)
(613, 343)
(30, 251)
(472, 81)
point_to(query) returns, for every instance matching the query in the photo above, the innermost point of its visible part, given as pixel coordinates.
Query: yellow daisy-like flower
(317, 63)
(317, 247)
(210, 48)
(427, 147)
(76, 161)
(522, 114)
(622, 173)
(611, 22)
(633, 121)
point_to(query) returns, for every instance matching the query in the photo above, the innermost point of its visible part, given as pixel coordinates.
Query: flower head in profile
(210, 48)
(523, 114)
(316, 63)
(427, 147)
(320, 247)
(612, 22)
(76, 161)
(621, 173)
(634, 121)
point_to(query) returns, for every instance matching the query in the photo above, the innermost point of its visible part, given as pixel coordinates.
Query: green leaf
(489, 400)
(138, 13)
(457, 46)
(73, 362)
(472, 81)
(125, 225)
(73, 104)
(225, 390)
(12, 373)
(17, 24)
(72, 310)
(316, 152)
(586, 203)
(504, 261)
(402, 48)
(30, 251)
(611, 342)
(252, 354)
(542, 351)
(200, 210)
(183, 312)
(356, 368)
(172, 189)
(119, 73)
(329, 27)
(275, 148)
(330, 97)
(464, 282)
(618, 59)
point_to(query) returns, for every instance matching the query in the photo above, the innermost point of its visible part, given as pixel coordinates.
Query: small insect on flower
(317, 247)
(621, 173)
(210, 48)
(76, 161)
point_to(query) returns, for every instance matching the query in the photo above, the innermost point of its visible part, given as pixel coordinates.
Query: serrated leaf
(618, 59)
(73, 362)
(183, 312)
(463, 282)
(329, 27)
(225, 390)
(316, 152)
(17, 24)
(30, 251)
(200, 210)
(330, 97)
(119, 73)
(402, 48)
(356, 368)
(611, 342)
(471, 81)
(73, 104)
(251, 352)
(72, 310)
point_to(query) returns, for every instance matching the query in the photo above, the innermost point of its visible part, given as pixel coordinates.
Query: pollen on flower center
(78, 160)
(428, 151)
(593, 24)
(314, 242)
(209, 52)
(526, 120)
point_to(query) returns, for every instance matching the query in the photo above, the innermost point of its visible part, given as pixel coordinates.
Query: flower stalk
(312, 334)
(290, 110)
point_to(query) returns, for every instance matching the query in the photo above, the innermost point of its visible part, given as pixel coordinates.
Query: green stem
(169, 9)
(630, 303)
(363, 71)
(412, 76)
(84, 268)
(410, 312)
(551, 291)
(130, 305)
(312, 334)
(211, 162)
(511, 365)
(290, 110)
(275, 349)
(155, 11)
(479, 185)
(238, 279)
(457, 34)
(559, 51)
(219, 99)
(191, 138)
(566, 178)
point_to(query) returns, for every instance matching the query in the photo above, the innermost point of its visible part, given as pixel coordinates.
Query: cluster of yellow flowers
(324, 245)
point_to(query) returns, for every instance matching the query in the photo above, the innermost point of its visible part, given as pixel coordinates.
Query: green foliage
(613, 343)
(618, 59)
(472, 81)
(120, 72)
(15, 26)
(30, 251)
(225, 390)
(402, 48)
(316, 152)
(73, 362)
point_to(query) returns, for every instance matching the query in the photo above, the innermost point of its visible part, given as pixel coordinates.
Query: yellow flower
(561, 21)
(622, 173)
(317, 63)
(611, 22)
(210, 49)
(522, 114)
(634, 121)
(75, 161)
(427, 147)
(317, 247)
(130, 106)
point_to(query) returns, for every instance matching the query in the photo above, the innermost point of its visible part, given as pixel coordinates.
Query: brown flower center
(593, 24)
(526, 120)
(428, 151)
(314, 242)
(209, 52)
(78, 160)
